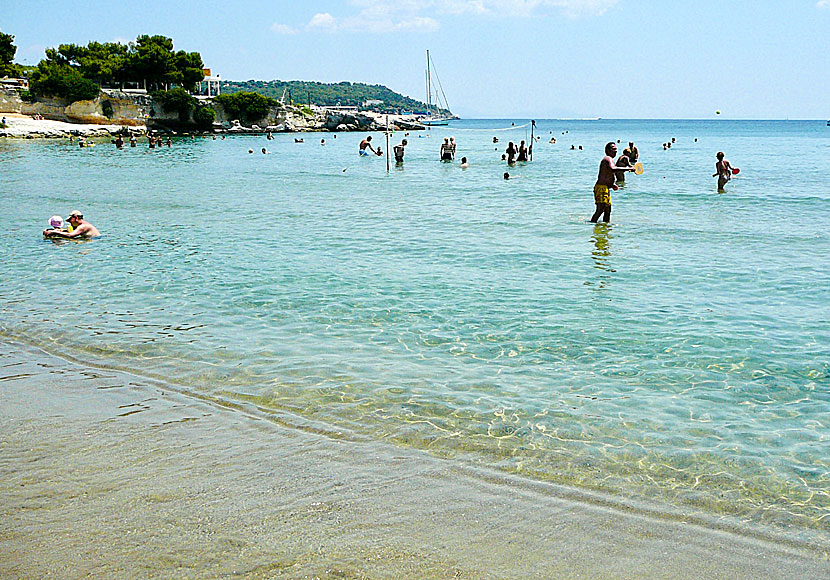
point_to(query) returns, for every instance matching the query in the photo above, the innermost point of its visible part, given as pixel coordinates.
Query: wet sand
(107, 475)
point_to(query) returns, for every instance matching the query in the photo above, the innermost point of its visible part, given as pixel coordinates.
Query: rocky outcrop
(129, 109)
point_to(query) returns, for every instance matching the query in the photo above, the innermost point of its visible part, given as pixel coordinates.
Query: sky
(750, 59)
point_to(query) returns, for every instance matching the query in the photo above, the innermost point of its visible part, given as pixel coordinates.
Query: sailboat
(435, 115)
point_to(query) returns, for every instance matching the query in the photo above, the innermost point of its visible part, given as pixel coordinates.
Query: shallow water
(677, 357)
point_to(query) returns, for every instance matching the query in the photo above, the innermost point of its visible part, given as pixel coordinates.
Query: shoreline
(112, 475)
(20, 126)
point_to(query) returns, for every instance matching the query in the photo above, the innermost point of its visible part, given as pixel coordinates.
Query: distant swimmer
(446, 150)
(605, 183)
(379, 152)
(366, 144)
(119, 141)
(521, 155)
(623, 160)
(264, 151)
(80, 228)
(723, 171)
(464, 163)
(635, 153)
(322, 141)
(133, 141)
(495, 139)
(399, 151)
(511, 152)
(452, 147)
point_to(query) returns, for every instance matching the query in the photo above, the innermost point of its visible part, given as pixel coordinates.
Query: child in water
(56, 223)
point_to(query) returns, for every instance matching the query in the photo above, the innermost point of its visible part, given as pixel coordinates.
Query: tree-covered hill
(330, 94)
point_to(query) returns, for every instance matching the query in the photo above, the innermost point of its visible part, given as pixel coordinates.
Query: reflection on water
(601, 256)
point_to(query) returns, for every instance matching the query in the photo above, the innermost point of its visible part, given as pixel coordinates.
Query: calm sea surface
(678, 357)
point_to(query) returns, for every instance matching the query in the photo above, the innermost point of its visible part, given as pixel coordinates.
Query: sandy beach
(91, 488)
(24, 126)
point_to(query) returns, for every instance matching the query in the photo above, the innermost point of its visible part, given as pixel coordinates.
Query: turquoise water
(679, 356)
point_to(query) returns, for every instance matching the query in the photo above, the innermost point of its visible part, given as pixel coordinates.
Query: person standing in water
(723, 171)
(511, 153)
(623, 160)
(446, 150)
(605, 183)
(367, 144)
(399, 151)
(522, 153)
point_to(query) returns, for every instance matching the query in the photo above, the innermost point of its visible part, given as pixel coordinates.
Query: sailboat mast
(429, 87)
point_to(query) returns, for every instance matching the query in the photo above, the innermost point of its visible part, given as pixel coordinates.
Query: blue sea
(677, 359)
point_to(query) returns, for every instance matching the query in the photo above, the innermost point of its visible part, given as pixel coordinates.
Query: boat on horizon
(436, 117)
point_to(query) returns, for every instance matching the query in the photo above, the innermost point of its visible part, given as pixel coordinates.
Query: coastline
(22, 126)
(112, 475)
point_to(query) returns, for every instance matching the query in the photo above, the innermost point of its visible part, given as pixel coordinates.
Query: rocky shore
(114, 112)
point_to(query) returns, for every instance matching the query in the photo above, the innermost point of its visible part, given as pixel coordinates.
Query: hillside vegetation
(330, 94)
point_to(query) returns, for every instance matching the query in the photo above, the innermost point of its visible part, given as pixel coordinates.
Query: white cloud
(823, 4)
(384, 16)
(283, 28)
(528, 8)
(324, 21)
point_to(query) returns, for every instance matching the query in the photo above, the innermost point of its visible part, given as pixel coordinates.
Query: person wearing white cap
(80, 228)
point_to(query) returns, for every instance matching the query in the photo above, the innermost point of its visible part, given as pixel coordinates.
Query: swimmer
(322, 141)
(264, 151)
(80, 228)
(250, 150)
(366, 144)
(522, 152)
(634, 152)
(511, 153)
(133, 141)
(605, 183)
(379, 152)
(399, 151)
(623, 160)
(723, 171)
(446, 150)
(464, 163)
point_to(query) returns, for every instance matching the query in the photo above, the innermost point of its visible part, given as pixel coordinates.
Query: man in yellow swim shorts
(605, 183)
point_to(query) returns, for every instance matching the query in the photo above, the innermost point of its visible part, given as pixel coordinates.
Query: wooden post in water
(532, 126)
(388, 163)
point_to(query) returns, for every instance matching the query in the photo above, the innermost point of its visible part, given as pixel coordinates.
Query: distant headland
(146, 85)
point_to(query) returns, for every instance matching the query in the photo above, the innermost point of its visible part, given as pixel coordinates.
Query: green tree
(204, 116)
(190, 69)
(176, 101)
(7, 52)
(61, 80)
(244, 106)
